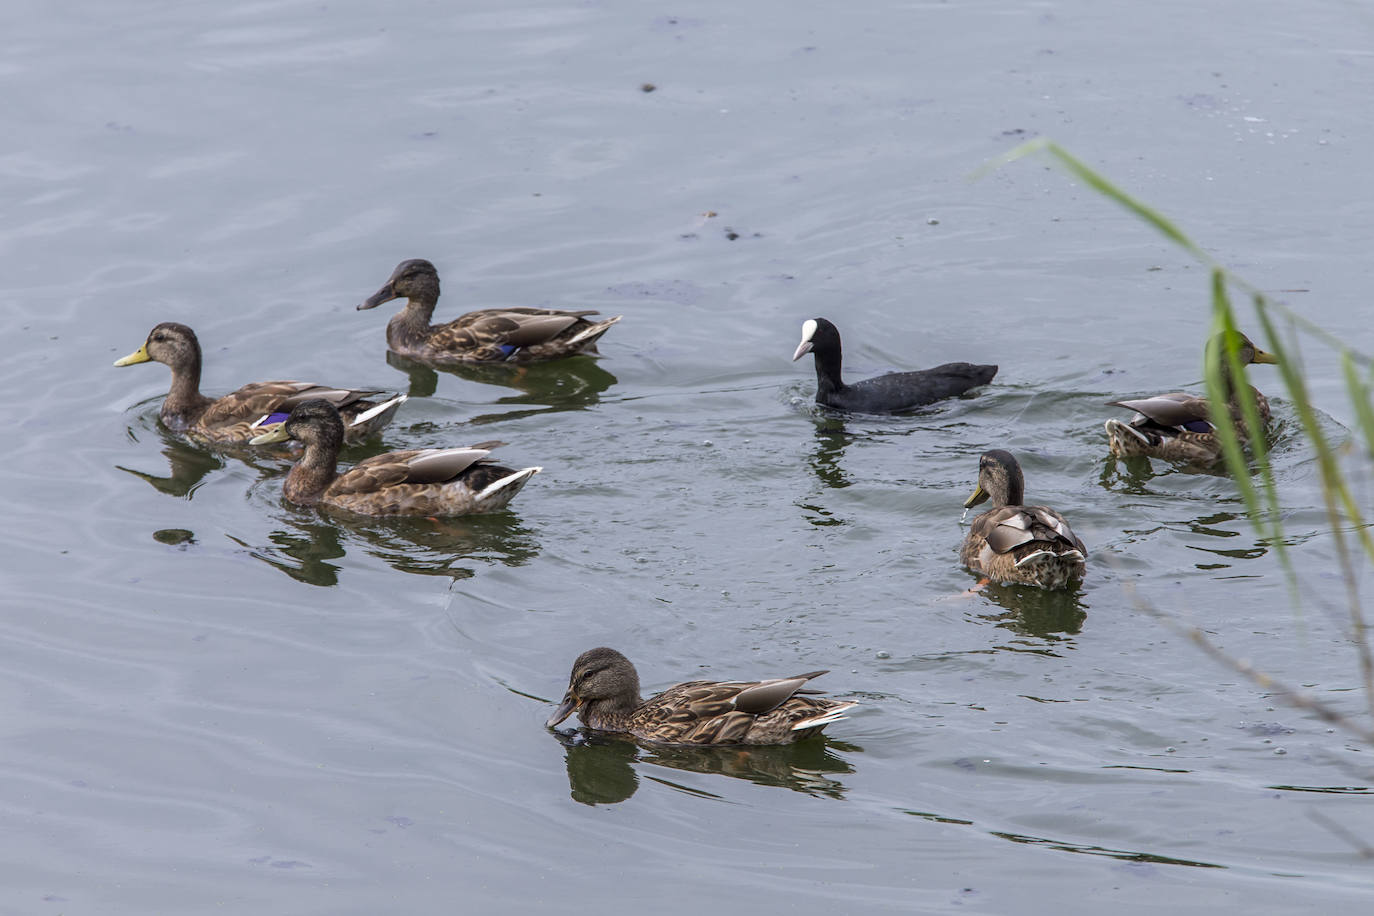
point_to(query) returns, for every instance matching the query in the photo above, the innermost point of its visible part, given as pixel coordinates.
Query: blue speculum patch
(273, 418)
(1198, 426)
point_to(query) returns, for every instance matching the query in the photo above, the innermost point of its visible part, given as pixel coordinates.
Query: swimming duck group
(1010, 542)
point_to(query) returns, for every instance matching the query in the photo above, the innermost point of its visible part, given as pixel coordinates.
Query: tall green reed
(1254, 474)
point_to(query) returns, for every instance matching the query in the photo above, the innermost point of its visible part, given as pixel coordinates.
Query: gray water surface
(218, 702)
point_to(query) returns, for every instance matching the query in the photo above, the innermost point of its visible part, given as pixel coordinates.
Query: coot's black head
(413, 279)
(818, 334)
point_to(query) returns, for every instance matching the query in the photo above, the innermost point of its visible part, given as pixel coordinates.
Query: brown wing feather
(258, 398)
(418, 466)
(766, 696)
(1174, 409)
(750, 712)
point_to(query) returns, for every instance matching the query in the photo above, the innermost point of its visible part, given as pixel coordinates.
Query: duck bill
(275, 433)
(979, 494)
(138, 356)
(1260, 357)
(385, 294)
(803, 348)
(565, 709)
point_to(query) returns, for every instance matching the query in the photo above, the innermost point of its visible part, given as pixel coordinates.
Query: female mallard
(1032, 545)
(430, 481)
(886, 393)
(515, 335)
(232, 418)
(1178, 426)
(604, 691)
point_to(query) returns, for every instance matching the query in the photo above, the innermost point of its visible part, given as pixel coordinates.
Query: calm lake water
(219, 703)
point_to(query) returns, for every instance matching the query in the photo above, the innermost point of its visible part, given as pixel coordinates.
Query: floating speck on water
(707, 443)
(647, 87)
(174, 536)
(1171, 750)
(884, 655)
(932, 222)
(1279, 750)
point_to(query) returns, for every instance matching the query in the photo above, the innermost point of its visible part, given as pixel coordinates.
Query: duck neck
(312, 475)
(611, 714)
(1015, 495)
(411, 324)
(184, 403)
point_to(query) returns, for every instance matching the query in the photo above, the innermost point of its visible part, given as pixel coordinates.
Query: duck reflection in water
(430, 547)
(1036, 612)
(602, 769)
(1133, 475)
(567, 384)
(189, 463)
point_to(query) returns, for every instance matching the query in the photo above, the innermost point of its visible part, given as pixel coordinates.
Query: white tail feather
(594, 331)
(830, 715)
(380, 409)
(1117, 427)
(519, 477)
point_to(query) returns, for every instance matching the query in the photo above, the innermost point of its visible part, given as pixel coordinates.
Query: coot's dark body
(889, 393)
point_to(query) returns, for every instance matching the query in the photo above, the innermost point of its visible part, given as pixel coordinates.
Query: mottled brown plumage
(435, 481)
(1032, 545)
(604, 691)
(230, 419)
(1178, 426)
(515, 335)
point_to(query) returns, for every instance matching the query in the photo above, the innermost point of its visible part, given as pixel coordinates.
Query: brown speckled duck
(513, 335)
(1177, 426)
(604, 692)
(230, 419)
(1032, 545)
(425, 482)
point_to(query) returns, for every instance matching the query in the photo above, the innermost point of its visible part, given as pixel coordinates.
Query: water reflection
(1133, 475)
(189, 466)
(601, 768)
(425, 546)
(1041, 613)
(190, 463)
(564, 384)
(831, 441)
(303, 554)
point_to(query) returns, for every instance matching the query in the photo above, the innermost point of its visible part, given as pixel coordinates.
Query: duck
(424, 482)
(889, 393)
(604, 692)
(509, 335)
(1029, 545)
(230, 420)
(1177, 426)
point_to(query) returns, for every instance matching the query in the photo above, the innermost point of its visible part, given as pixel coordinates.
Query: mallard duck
(1178, 426)
(231, 419)
(885, 393)
(604, 692)
(1032, 545)
(429, 481)
(512, 335)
